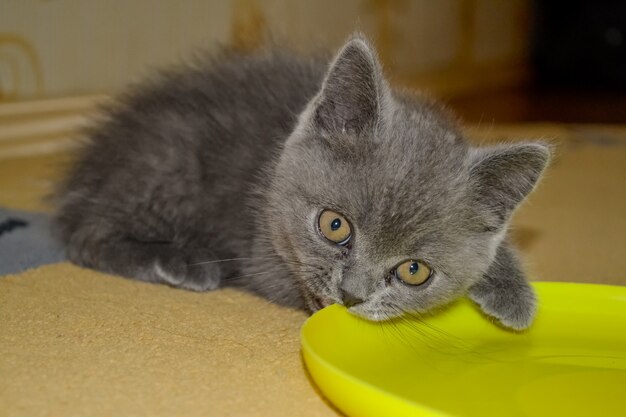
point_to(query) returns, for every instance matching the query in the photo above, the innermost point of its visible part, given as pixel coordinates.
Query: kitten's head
(378, 203)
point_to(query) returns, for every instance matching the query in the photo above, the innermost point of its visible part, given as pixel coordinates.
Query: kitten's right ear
(352, 93)
(502, 177)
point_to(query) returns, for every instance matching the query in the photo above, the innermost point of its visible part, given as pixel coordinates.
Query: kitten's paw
(171, 272)
(504, 293)
(201, 278)
(514, 309)
(178, 273)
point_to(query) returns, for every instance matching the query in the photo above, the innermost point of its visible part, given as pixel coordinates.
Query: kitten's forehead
(398, 186)
(420, 156)
(419, 133)
(421, 201)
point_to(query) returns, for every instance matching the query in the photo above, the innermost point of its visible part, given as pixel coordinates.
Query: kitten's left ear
(503, 176)
(353, 91)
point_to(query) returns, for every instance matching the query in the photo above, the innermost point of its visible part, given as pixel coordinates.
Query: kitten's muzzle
(350, 300)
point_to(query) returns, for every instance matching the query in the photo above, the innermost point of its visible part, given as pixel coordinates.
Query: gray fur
(236, 159)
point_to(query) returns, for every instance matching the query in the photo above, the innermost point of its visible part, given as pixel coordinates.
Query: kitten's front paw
(180, 274)
(513, 309)
(201, 278)
(504, 293)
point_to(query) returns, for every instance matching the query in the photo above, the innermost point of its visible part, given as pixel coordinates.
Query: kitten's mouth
(321, 302)
(315, 302)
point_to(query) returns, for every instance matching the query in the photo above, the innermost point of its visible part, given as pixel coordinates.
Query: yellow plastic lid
(456, 362)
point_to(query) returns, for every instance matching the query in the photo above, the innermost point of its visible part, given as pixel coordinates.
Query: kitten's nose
(350, 300)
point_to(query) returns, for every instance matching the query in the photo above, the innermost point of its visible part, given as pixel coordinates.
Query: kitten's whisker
(249, 275)
(253, 258)
(425, 336)
(442, 341)
(213, 261)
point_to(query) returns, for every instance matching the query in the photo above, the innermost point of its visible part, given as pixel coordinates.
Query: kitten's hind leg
(158, 262)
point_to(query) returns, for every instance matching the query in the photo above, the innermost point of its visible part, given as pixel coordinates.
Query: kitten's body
(181, 162)
(237, 158)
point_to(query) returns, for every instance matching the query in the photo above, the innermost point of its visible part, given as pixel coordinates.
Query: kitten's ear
(503, 176)
(352, 92)
(504, 293)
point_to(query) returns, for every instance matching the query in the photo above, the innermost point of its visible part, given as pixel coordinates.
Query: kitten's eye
(334, 227)
(413, 272)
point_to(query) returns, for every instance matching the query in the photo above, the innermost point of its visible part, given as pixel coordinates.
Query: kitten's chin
(371, 315)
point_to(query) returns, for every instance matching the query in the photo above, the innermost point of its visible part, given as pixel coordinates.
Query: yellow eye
(413, 272)
(334, 227)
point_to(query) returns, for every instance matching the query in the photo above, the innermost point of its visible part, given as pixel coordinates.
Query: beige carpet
(78, 343)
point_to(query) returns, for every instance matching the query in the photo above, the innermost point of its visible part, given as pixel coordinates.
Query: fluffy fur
(215, 176)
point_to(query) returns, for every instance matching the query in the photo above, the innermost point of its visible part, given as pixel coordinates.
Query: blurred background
(491, 60)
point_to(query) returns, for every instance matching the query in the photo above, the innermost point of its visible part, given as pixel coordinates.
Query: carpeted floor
(77, 342)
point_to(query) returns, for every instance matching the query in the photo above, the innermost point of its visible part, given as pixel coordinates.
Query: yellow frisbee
(456, 362)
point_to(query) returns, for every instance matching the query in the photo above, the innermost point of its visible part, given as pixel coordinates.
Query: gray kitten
(306, 183)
